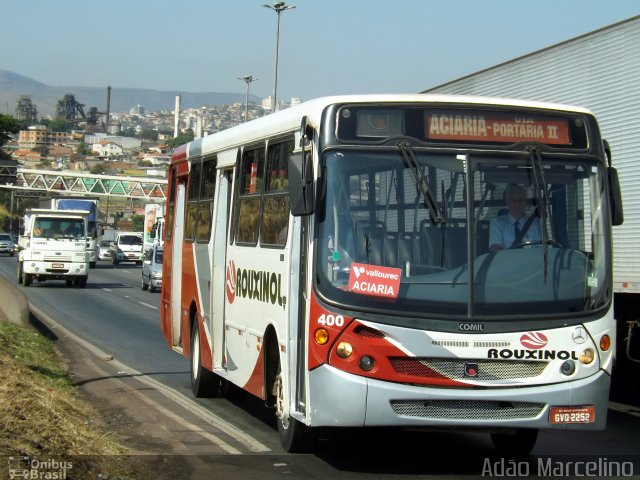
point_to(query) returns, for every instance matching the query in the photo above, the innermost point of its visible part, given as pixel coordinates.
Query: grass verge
(42, 416)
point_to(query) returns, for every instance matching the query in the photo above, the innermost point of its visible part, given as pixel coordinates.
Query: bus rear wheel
(520, 442)
(204, 383)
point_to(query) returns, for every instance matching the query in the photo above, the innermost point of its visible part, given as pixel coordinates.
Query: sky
(326, 47)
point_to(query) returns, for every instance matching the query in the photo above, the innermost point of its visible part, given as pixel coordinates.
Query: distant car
(6, 244)
(152, 269)
(104, 253)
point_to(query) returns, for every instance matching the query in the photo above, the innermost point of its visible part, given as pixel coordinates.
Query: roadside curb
(14, 307)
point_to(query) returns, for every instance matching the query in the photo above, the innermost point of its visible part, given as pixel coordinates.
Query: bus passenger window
(275, 216)
(249, 202)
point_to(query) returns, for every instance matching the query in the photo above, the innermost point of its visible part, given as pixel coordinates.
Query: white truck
(153, 222)
(54, 247)
(80, 203)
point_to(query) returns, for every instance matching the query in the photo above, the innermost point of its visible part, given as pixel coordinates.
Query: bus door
(219, 263)
(176, 253)
(219, 279)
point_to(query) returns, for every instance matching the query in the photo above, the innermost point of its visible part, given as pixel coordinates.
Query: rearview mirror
(615, 194)
(301, 198)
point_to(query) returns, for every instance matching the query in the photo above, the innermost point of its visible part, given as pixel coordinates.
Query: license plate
(131, 254)
(560, 415)
(57, 265)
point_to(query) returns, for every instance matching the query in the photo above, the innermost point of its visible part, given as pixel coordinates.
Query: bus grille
(453, 368)
(467, 409)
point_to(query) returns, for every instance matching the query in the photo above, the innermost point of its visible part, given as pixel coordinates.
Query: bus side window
(275, 217)
(207, 193)
(250, 196)
(192, 205)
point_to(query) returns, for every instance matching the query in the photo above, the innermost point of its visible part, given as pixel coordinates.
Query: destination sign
(477, 126)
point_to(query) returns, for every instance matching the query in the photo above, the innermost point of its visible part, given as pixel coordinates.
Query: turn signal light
(321, 336)
(605, 343)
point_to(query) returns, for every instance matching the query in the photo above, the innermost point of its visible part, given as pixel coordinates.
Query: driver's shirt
(502, 230)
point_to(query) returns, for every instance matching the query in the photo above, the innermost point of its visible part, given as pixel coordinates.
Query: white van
(127, 248)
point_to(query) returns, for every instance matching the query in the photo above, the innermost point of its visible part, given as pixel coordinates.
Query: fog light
(321, 336)
(366, 363)
(587, 356)
(344, 350)
(568, 367)
(33, 265)
(605, 343)
(77, 270)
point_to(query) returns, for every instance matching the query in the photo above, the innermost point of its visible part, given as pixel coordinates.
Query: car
(152, 269)
(104, 253)
(6, 244)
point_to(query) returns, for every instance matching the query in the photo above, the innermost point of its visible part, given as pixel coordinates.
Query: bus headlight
(568, 367)
(366, 363)
(344, 350)
(587, 356)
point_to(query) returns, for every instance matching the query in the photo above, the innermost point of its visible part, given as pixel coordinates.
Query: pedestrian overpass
(29, 182)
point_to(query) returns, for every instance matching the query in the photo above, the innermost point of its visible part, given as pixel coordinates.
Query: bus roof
(288, 120)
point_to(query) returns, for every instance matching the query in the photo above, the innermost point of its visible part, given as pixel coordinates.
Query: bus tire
(295, 437)
(521, 442)
(28, 279)
(204, 383)
(20, 275)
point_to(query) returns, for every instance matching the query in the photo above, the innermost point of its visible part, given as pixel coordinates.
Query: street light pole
(277, 7)
(248, 79)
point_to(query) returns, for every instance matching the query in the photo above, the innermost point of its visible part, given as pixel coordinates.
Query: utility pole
(277, 7)
(248, 79)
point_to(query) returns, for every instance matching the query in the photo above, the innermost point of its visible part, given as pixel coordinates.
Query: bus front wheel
(295, 437)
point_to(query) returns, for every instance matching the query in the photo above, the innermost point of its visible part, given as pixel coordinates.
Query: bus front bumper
(341, 399)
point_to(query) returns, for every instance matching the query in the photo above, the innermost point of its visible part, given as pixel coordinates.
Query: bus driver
(515, 226)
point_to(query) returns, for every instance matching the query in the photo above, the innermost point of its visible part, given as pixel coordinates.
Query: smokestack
(176, 124)
(108, 108)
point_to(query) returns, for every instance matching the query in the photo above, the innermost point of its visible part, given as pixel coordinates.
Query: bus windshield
(402, 231)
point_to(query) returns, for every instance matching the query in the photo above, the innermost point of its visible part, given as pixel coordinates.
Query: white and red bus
(333, 259)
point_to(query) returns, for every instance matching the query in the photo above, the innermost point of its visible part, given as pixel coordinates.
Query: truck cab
(54, 247)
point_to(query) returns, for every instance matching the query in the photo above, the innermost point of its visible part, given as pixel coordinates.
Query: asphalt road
(119, 325)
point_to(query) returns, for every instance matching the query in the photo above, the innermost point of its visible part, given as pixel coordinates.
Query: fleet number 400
(331, 320)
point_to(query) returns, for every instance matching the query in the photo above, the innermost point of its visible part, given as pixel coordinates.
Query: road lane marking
(149, 306)
(107, 290)
(183, 401)
(621, 407)
(194, 428)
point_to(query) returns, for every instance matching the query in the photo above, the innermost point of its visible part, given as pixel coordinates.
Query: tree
(59, 125)
(138, 223)
(98, 169)
(8, 126)
(148, 134)
(180, 140)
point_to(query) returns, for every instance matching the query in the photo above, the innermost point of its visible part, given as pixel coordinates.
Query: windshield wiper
(418, 175)
(541, 193)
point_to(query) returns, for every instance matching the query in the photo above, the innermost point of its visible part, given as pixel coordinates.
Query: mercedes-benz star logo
(579, 335)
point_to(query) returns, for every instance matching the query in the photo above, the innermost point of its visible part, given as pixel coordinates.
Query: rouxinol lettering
(260, 285)
(532, 354)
